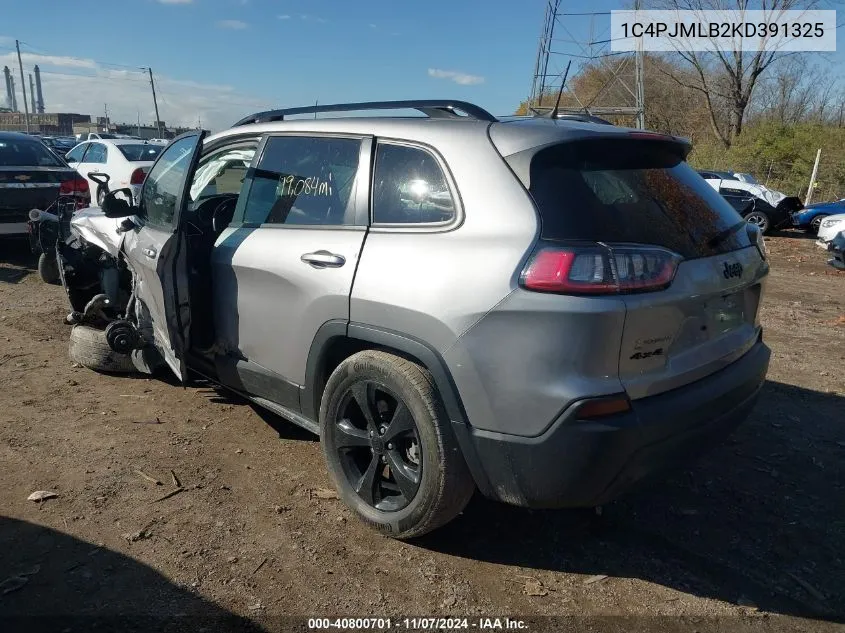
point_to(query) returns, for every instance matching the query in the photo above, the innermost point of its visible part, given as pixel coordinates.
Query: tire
(444, 484)
(816, 223)
(760, 220)
(48, 269)
(89, 348)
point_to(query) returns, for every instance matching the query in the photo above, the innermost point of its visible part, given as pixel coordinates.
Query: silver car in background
(548, 311)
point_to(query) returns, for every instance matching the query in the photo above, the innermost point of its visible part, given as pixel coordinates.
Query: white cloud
(283, 17)
(311, 18)
(235, 25)
(175, 1)
(83, 86)
(372, 26)
(463, 79)
(30, 59)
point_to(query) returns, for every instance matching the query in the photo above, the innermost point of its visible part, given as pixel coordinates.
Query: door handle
(323, 259)
(150, 252)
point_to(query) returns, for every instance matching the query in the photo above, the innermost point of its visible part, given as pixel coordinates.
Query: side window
(222, 172)
(75, 155)
(96, 153)
(163, 184)
(304, 180)
(409, 187)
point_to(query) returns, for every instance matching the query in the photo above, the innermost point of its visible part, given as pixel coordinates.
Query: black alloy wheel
(378, 446)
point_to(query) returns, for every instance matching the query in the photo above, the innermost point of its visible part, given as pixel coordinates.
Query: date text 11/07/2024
(417, 624)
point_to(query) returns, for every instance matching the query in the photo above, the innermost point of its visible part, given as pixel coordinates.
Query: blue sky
(219, 60)
(261, 53)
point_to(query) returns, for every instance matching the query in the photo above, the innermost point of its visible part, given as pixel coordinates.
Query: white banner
(723, 30)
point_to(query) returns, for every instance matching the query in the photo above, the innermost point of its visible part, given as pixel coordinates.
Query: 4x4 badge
(732, 270)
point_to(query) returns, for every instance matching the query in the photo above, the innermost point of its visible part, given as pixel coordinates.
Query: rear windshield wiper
(723, 235)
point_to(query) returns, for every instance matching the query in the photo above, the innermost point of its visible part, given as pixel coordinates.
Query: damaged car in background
(757, 204)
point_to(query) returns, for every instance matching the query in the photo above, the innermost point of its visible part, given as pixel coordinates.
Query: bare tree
(727, 79)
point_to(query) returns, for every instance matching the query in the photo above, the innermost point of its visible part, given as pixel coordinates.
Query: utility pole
(139, 123)
(106, 111)
(155, 102)
(639, 78)
(809, 196)
(23, 86)
(32, 93)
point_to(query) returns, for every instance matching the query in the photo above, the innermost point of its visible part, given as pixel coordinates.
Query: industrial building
(49, 124)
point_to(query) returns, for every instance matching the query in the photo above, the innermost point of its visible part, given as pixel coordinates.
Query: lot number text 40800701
(417, 624)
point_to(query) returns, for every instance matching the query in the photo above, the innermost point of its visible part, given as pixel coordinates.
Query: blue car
(810, 218)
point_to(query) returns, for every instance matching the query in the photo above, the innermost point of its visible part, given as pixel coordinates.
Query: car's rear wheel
(759, 219)
(389, 446)
(816, 223)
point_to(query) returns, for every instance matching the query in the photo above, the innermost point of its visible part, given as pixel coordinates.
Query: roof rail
(433, 108)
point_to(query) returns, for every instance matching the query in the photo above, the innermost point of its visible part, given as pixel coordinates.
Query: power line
(82, 59)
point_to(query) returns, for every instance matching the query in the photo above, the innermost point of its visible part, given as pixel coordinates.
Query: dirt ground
(749, 537)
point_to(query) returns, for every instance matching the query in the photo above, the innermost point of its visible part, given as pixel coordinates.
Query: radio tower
(558, 46)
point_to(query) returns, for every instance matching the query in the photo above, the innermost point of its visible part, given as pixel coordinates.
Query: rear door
(157, 252)
(637, 192)
(285, 266)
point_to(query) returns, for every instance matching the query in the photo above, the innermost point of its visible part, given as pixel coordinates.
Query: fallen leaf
(534, 587)
(325, 493)
(41, 495)
(140, 535)
(594, 579)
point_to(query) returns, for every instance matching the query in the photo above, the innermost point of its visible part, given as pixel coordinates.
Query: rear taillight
(599, 269)
(78, 188)
(137, 177)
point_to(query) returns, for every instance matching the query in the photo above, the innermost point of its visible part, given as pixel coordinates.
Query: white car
(125, 161)
(757, 190)
(829, 228)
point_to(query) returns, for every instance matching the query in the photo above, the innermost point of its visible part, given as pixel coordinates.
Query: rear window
(140, 152)
(624, 190)
(26, 153)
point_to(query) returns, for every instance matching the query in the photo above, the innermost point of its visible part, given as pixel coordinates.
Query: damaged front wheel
(90, 348)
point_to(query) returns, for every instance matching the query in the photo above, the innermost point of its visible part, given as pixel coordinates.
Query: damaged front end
(100, 287)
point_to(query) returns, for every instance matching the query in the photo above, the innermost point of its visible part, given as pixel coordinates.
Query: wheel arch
(337, 340)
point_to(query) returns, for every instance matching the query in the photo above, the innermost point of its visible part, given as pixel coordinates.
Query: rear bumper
(588, 463)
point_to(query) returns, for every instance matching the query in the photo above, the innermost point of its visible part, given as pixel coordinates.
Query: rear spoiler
(520, 162)
(683, 144)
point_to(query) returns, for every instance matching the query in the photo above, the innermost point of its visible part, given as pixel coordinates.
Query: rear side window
(624, 190)
(409, 187)
(304, 180)
(97, 153)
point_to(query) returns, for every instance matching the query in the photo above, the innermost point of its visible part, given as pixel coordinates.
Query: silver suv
(544, 310)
